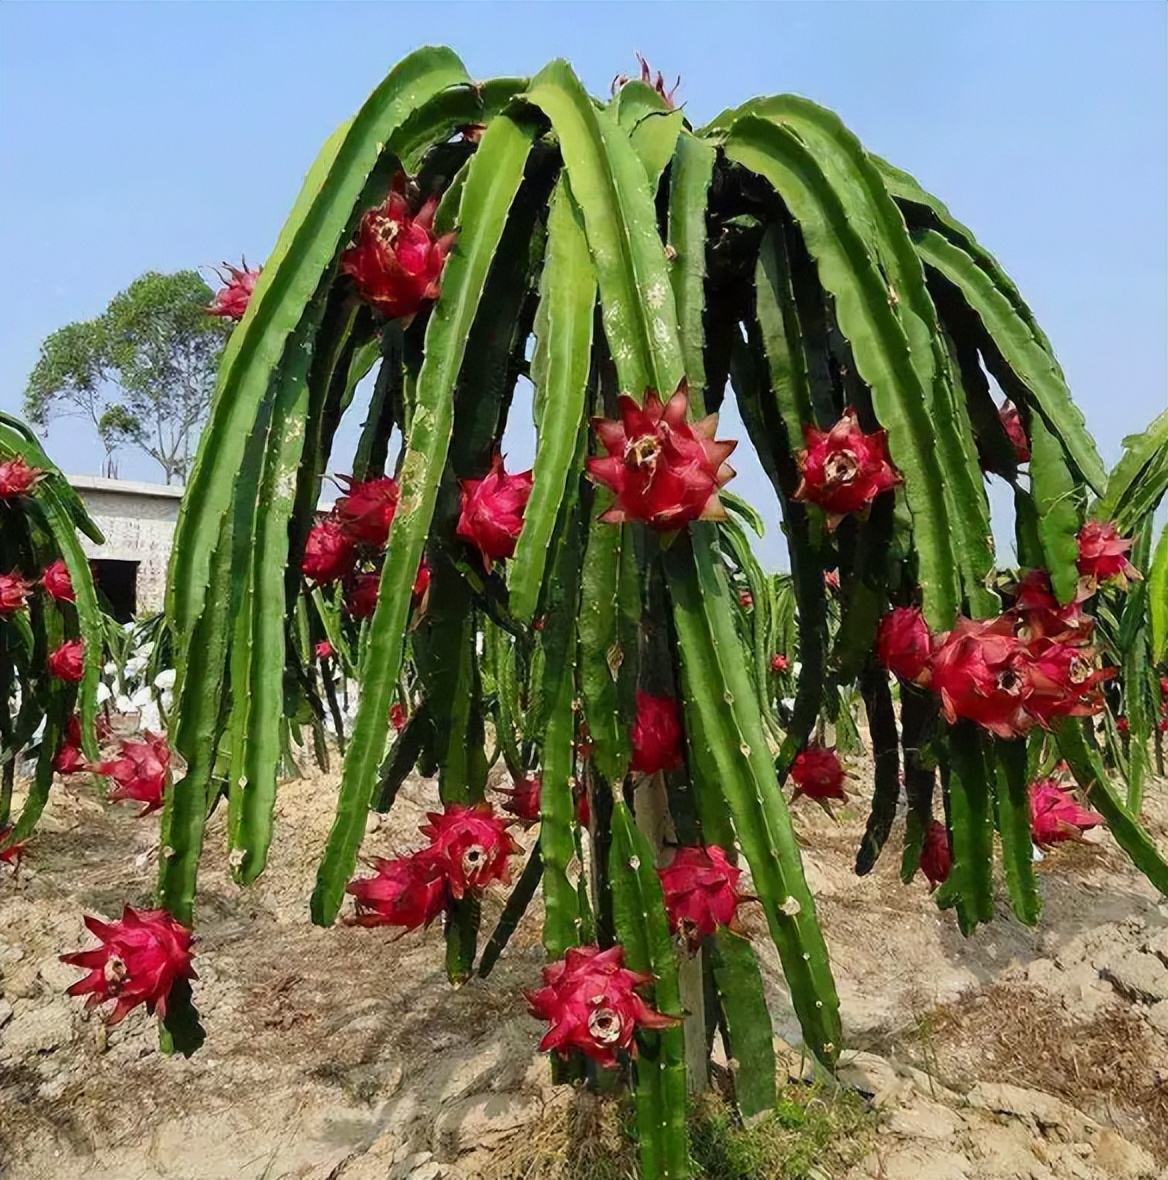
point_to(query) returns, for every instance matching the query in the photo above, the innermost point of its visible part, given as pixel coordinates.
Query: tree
(142, 372)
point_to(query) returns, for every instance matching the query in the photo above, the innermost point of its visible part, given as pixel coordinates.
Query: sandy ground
(1012, 1055)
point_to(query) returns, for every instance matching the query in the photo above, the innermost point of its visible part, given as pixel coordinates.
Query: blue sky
(161, 136)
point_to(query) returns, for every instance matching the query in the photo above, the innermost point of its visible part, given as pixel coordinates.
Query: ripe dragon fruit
(1012, 424)
(409, 892)
(139, 771)
(472, 845)
(1064, 682)
(397, 261)
(141, 957)
(329, 554)
(523, 798)
(13, 593)
(664, 470)
(11, 851)
(361, 592)
(981, 671)
(367, 508)
(904, 644)
(57, 582)
(232, 298)
(701, 892)
(421, 584)
(1103, 556)
(491, 513)
(397, 717)
(589, 1002)
(656, 735)
(1039, 615)
(69, 758)
(67, 662)
(324, 650)
(818, 773)
(1055, 816)
(843, 468)
(17, 478)
(936, 856)
(779, 662)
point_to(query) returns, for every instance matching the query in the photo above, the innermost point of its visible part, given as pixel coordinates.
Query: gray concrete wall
(138, 521)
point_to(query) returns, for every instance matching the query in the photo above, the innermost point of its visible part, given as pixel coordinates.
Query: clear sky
(160, 136)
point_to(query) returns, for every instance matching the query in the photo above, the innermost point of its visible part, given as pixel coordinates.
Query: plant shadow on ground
(816, 1132)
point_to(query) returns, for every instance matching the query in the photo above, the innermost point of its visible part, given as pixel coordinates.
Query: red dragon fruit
(69, 758)
(936, 857)
(1040, 616)
(67, 662)
(324, 650)
(1103, 556)
(904, 644)
(701, 892)
(1012, 424)
(232, 298)
(397, 717)
(472, 845)
(664, 470)
(523, 798)
(779, 662)
(1065, 682)
(409, 892)
(13, 593)
(57, 582)
(656, 735)
(818, 773)
(141, 957)
(491, 515)
(17, 478)
(11, 851)
(843, 468)
(139, 771)
(397, 261)
(328, 554)
(367, 508)
(361, 593)
(421, 584)
(1055, 816)
(981, 671)
(589, 1002)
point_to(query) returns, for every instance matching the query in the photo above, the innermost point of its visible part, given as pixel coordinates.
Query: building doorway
(117, 585)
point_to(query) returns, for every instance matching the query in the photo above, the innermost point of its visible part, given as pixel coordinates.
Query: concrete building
(138, 521)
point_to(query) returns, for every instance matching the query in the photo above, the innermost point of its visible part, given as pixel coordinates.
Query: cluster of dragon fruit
(1029, 667)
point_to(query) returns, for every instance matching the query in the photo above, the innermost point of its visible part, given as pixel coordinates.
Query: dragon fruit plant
(51, 630)
(1127, 566)
(599, 621)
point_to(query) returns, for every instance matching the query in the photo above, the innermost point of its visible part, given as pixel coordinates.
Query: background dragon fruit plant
(599, 622)
(51, 629)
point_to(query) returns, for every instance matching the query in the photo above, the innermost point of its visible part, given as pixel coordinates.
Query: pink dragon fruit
(141, 957)
(701, 892)
(589, 1001)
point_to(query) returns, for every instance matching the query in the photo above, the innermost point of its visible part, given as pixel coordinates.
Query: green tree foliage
(142, 372)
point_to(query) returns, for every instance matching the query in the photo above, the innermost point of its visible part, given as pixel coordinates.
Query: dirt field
(343, 1055)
